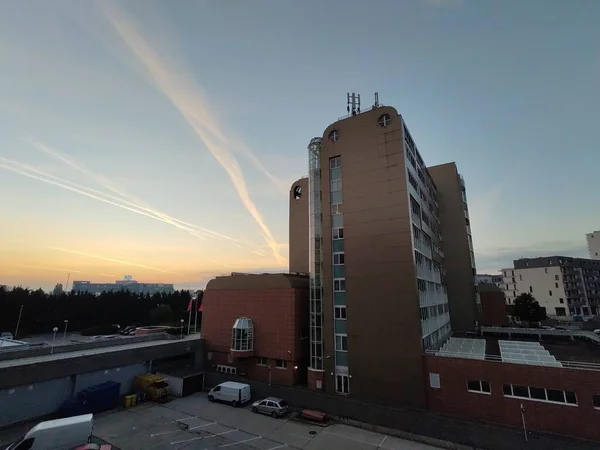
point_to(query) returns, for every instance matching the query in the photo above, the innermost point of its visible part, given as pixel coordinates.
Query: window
(556, 277)
(339, 312)
(341, 342)
(540, 394)
(338, 259)
(336, 208)
(561, 300)
(520, 277)
(336, 185)
(596, 400)
(530, 289)
(482, 387)
(339, 285)
(242, 334)
(335, 162)
(24, 445)
(546, 270)
(342, 384)
(334, 135)
(412, 181)
(556, 285)
(550, 293)
(384, 120)
(281, 364)
(434, 380)
(261, 361)
(337, 233)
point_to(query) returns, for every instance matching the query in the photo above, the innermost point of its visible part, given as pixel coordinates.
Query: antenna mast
(353, 106)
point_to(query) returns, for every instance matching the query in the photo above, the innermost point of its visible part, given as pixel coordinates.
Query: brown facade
(277, 304)
(458, 257)
(298, 234)
(453, 397)
(493, 306)
(383, 325)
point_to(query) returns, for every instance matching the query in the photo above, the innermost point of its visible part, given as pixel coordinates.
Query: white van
(230, 392)
(59, 434)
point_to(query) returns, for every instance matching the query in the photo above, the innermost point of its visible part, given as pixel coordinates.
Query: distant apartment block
(485, 278)
(593, 243)
(122, 285)
(563, 285)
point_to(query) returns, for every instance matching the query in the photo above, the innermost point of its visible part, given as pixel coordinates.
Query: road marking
(183, 419)
(382, 441)
(203, 437)
(202, 426)
(241, 442)
(185, 429)
(279, 446)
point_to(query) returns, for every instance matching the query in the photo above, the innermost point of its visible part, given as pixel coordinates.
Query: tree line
(41, 312)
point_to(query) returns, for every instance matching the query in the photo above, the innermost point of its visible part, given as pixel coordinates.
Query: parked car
(230, 392)
(275, 407)
(59, 434)
(6, 335)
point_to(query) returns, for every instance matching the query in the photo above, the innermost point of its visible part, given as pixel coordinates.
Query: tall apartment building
(484, 278)
(565, 286)
(377, 278)
(461, 280)
(593, 244)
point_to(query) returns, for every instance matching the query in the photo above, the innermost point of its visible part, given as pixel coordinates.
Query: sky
(159, 138)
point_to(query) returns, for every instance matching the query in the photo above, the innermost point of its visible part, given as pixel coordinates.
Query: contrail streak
(34, 173)
(109, 275)
(192, 106)
(106, 258)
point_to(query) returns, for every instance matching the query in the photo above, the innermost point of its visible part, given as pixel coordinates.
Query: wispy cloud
(56, 269)
(108, 275)
(110, 259)
(187, 97)
(200, 232)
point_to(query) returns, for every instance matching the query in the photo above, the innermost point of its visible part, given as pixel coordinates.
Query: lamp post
(269, 377)
(523, 419)
(181, 321)
(54, 330)
(18, 322)
(65, 333)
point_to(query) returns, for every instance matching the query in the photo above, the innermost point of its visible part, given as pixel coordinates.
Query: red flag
(201, 309)
(189, 308)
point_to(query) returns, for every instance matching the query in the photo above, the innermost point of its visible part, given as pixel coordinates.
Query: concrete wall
(453, 429)
(26, 402)
(78, 363)
(546, 286)
(123, 375)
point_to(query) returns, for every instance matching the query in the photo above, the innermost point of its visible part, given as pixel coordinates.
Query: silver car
(273, 406)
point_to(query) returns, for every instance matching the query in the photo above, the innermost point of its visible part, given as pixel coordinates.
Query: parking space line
(202, 426)
(204, 437)
(241, 442)
(382, 441)
(183, 419)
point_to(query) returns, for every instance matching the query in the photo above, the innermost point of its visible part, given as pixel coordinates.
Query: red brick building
(558, 400)
(493, 306)
(256, 325)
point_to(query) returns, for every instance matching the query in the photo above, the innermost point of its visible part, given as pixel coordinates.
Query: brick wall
(278, 316)
(453, 397)
(493, 308)
(438, 426)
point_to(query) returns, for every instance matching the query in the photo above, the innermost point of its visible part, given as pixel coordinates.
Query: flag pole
(191, 305)
(196, 319)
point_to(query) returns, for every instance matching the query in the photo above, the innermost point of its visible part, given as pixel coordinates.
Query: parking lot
(193, 423)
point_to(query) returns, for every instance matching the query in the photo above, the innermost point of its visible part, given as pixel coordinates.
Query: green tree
(527, 309)
(161, 315)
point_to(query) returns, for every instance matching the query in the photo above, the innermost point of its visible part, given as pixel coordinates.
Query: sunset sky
(159, 138)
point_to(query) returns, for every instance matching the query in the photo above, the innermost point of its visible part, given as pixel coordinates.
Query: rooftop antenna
(376, 104)
(353, 103)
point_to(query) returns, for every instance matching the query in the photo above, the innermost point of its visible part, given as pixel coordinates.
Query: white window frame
(341, 259)
(480, 390)
(335, 162)
(283, 365)
(337, 184)
(335, 233)
(260, 360)
(531, 399)
(336, 209)
(341, 311)
(341, 338)
(341, 285)
(339, 384)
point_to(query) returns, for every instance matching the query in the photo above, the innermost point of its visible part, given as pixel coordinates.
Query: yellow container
(133, 400)
(129, 401)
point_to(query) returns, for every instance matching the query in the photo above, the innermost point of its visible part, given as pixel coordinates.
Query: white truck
(59, 434)
(230, 392)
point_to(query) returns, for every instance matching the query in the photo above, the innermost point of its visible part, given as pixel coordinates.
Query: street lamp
(523, 419)
(65, 333)
(181, 321)
(55, 329)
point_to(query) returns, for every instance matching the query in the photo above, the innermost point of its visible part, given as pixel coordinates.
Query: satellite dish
(297, 192)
